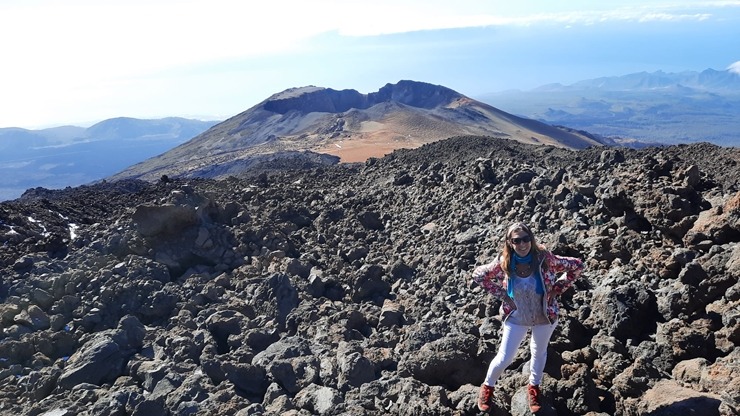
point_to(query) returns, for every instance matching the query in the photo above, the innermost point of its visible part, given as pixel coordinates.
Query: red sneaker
(484, 398)
(534, 394)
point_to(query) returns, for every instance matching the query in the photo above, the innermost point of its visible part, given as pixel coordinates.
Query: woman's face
(521, 242)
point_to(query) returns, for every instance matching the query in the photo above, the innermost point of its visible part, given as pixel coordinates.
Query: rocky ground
(346, 290)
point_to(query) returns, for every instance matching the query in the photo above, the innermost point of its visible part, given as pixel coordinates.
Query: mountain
(709, 80)
(346, 124)
(166, 129)
(347, 290)
(658, 107)
(70, 155)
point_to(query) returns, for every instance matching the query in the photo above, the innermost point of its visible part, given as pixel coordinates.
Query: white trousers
(512, 338)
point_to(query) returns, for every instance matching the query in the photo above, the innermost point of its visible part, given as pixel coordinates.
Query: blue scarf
(516, 259)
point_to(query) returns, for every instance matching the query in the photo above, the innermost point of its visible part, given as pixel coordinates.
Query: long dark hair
(537, 250)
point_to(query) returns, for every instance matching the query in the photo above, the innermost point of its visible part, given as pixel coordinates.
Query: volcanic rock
(345, 289)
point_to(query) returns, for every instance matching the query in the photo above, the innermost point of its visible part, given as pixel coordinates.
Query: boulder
(450, 361)
(152, 220)
(319, 400)
(98, 361)
(667, 398)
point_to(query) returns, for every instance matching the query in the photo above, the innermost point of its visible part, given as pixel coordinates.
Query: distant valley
(657, 107)
(70, 156)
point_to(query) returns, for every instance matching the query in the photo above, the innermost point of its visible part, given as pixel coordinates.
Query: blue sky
(82, 61)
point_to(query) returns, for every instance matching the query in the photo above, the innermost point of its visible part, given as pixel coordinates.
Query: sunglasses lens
(524, 239)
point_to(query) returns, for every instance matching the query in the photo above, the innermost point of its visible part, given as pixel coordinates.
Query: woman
(524, 278)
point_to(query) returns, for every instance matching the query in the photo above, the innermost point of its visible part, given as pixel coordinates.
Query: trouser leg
(511, 339)
(538, 349)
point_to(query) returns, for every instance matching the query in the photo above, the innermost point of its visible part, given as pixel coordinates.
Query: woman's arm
(571, 268)
(491, 277)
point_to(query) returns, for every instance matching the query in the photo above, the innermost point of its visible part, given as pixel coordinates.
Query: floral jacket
(495, 279)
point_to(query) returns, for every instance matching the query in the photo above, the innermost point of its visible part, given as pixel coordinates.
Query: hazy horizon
(83, 61)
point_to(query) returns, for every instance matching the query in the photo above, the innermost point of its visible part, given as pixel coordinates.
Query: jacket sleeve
(491, 277)
(571, 268)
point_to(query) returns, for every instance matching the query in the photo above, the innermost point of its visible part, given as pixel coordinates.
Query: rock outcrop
(346, 290)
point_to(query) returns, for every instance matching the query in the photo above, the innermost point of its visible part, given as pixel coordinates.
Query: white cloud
(84, 38)
(734, 68)
(390, 17)
(60, 55)
(673, 17)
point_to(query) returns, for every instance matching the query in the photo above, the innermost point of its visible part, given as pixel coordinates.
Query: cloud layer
(96, 54)
(734, 68)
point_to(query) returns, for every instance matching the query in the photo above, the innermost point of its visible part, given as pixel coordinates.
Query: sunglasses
(525, 239)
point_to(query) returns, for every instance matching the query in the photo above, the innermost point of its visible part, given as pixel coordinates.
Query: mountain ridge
(708, 79)
(653, 108)
(336, 101)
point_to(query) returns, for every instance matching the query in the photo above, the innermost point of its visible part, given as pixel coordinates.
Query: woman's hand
(509, 303)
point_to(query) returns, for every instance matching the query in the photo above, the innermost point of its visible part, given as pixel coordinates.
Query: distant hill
(346, 124)
(668, 108)
(70, 155)
(709, 80)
